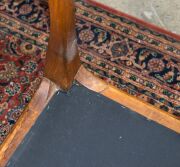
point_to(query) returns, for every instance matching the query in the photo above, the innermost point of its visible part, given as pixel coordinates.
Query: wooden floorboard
(41, 98)
(92, 82)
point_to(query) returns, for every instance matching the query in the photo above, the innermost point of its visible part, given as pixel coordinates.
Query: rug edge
(133, 18)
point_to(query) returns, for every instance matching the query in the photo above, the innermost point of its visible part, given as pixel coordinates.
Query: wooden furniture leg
(61, 66)
(62, 62)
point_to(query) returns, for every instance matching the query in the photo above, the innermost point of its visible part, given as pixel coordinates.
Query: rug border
(133, 18)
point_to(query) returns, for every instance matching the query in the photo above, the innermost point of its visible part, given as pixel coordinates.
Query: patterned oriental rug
(117, 48)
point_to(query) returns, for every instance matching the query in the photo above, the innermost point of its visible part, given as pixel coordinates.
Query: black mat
(83, 129)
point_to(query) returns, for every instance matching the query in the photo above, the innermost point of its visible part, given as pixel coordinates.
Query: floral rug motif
(135, 58)
(22, 55)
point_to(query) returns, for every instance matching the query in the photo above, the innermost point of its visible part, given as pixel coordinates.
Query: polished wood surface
(96, 84)
(62, 60)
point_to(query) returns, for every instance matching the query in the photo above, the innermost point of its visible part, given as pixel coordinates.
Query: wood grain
(62, 61)
(93, 83)
(41, 98)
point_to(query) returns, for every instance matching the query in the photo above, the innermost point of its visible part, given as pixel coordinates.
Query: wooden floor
(47, 89)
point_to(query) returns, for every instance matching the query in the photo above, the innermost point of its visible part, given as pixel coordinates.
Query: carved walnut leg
(62, 60)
